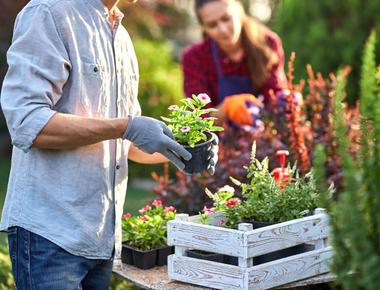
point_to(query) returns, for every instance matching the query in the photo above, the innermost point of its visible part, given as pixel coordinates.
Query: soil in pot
(215, 257)
(127, 254)
(162, 255)
(298, 249)
(200, 152)
(144, 259)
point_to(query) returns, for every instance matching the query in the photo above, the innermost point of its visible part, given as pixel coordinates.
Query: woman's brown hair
(261, 57)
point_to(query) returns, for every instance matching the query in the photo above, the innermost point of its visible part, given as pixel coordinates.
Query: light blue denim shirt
(65, 58)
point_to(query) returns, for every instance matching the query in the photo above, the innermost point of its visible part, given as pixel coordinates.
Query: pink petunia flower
(145, 209)
(207, 210)
(173, 108)
(185, 129)
(157, 202)
(169, 209)
(127, 215)
(204, 98)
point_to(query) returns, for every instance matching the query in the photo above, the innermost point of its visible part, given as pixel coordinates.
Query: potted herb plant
(192, 127)
(144, 236)
(268, 198)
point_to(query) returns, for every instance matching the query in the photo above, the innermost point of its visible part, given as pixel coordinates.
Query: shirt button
(117, 167)
(118, 103)
(96, 69)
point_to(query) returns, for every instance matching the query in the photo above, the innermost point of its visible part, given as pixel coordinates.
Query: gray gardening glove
(213, 154)
(151, 135)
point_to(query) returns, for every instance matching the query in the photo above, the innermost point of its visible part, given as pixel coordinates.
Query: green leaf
(166, 119)
(216, 129)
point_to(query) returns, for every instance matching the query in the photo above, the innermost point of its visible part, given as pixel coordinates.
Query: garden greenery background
(326, 34)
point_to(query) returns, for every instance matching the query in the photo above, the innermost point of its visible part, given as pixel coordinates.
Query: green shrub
(160, 77)
(327, 34)
(355, 217)
(6, 278)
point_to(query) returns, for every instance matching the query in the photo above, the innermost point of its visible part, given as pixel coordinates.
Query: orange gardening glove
(236, 110)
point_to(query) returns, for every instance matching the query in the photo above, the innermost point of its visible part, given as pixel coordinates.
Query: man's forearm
(65, 131)
(135, 154)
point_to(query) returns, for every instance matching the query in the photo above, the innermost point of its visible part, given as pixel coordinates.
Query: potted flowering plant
(192, 128)
(268, 198)
(144, 236)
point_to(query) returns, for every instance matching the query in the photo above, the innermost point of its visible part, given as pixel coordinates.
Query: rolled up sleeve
(38, 70)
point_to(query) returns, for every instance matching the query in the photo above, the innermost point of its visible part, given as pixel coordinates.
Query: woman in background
(237, 60)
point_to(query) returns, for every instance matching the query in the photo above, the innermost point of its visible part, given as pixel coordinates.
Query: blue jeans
(38, 264)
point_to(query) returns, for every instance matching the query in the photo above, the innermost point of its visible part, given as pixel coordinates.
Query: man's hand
(151, 135)
(236, 109)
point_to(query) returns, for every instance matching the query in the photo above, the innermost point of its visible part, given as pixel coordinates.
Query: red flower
(157, 202)
(169, 209)
(127, 215)
(232, 202)
(222, 221)
(143, 218)
(145, 209)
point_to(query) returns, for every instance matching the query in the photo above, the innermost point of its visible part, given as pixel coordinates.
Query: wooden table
(157, 279)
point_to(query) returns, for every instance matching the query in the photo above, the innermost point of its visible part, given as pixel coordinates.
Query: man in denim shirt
(70, 102)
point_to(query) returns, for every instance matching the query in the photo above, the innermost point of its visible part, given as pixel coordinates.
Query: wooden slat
(289, 269)
(205, 237)
(205, 273)
(215, 218)
(287, 234)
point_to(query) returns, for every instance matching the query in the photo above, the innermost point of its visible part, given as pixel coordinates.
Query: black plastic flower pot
(215, 257)
(200, 153)
(127, 254)
(298, 249)
(162, 255)
(144, 259)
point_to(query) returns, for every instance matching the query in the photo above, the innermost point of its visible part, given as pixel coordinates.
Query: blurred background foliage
(327, 34)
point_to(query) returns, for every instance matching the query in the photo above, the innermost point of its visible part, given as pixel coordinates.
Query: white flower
(204, 98)
(226, 188)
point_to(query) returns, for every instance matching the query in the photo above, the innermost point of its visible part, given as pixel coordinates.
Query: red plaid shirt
(200, 74)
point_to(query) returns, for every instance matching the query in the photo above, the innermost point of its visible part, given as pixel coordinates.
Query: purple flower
(204, 98)
(185, 129)
(173, 108)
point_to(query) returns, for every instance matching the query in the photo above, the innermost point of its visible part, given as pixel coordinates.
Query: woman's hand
(237, 108)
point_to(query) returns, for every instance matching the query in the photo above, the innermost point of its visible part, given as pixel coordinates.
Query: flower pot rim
(137, 249)
(164, 247)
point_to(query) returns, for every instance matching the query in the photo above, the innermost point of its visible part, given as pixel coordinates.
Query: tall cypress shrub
(355, 217)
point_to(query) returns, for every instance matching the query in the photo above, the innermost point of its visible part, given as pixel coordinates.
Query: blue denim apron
(232, 85)
(229, 85)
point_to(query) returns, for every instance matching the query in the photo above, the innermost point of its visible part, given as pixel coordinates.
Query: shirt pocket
(92, 88)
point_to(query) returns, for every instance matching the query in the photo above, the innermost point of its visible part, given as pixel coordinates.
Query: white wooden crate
(187, 233)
